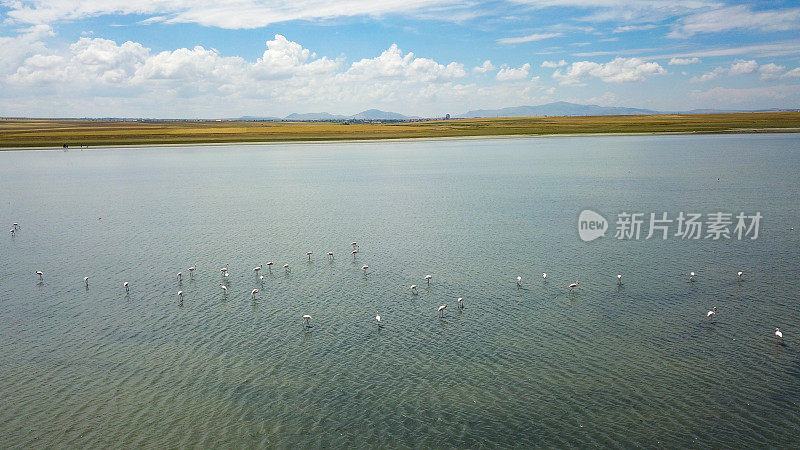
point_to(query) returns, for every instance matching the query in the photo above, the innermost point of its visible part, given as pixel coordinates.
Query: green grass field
(56, 132)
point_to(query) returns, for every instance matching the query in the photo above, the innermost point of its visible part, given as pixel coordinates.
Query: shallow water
(605, 365)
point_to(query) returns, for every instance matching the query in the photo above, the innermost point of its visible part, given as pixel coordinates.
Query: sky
(231, 58)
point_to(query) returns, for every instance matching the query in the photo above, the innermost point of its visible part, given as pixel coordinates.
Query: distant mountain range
(548, 109)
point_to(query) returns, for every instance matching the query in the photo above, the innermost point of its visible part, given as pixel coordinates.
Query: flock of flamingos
(307, 318)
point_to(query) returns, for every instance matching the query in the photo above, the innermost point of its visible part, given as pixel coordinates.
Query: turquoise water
(605, 365)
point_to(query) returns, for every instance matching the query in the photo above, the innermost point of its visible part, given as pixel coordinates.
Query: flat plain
(25, 133)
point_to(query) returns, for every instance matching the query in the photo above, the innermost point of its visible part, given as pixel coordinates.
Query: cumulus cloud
(742, 67)
(392, 64)
(617, 70)
(284, 59)
(487, 66)
(553, 64)
(528, 38)
(792, 73)
(29, 41)
(684, 61)
(509, 73)
(770, 71)
(708, 76)
(739, 17)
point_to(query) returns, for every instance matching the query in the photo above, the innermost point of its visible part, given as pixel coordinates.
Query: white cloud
(487, 66)
(770, 71)
(631, 11)
(509, 73)
(528, 38)
(739, 17)
(616, 71)
(792, 73)
(553, 65)
(627, 28)
(708, 76)
(14, 50)
(392, 64)
(684, 61)
(607, 99)
(742, 67)
(284, 59)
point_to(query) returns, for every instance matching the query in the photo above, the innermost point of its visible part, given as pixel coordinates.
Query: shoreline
(45, 134)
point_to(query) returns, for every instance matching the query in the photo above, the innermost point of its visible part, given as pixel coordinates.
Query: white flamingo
(573, 286)
(428, 279)
(364, 268)
(544, 276)
(460, 303)
(13, 231)
(354, 244)
(306, 319)
(127, 287)
(191, 271)
(710, 315)
(378, 319)
(261, 279)
(414, 289)
(253, 293)
(180, 295)
(441, 310)
(269, 265)
(519, 281)
(354, 252)
(739, 275)
(256, 269)
(619, 279)
(40, 273)
(691, 276)
(309, 255)
(778, 335)
(15, 226)
(286, 268)
(180, 277)
(330, 255)
(224, 288)
(86, 280)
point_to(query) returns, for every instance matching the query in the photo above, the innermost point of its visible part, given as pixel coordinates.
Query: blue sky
(190, 59)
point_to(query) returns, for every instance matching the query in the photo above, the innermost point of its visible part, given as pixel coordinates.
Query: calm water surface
(534, 366)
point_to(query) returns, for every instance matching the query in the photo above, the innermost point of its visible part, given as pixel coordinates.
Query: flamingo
(428, 279)
(691, 276)
(519, 281)
(460, 303)
(269, 265)
(256, 269)
(573, 286)
(180, 295)
(191, 271)
(354, 252)
(739, 275)
(86, 280)
(544, 276)
(710, 315)
(261, 279)
(13, 231)
(441, 310)
(413, 289)
(778, 335)
(330, 255)
(364, 268)
(378, 319)
(224, 288)
(619, 279)
(253, 293)
(354, 244)
(306, 319)
(309, 255)
(15, 225)
(127, 287)
(286, 267)
(180, 277)
(40, 273)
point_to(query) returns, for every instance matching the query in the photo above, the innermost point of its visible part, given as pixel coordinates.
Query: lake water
(537, 365)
